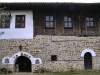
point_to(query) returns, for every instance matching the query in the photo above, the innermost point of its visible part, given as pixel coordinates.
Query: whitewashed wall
(19, 33)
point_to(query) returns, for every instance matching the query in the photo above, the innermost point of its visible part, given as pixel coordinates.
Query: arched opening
(23, 64)
(88, 61)
(88, 50)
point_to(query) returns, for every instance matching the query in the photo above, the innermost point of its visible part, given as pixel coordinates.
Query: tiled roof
(54, 1)
(50, 2)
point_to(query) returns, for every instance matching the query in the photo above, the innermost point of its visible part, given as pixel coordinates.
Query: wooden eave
(32, 5)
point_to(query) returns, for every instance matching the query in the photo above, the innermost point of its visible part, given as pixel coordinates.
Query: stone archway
(88, 50)
(12, 61)
(88, 54)
(23, 64)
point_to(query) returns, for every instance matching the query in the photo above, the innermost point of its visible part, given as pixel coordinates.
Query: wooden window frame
(6, 20)
(49, 26)
(67, 21)
(16, 21)
(89, 21)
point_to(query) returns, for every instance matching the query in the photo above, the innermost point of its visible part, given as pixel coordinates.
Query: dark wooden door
(24, 64)
(88, 61)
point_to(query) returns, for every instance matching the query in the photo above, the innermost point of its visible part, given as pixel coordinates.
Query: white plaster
(19, 33)
(88, 50)
(12, 59)
(3, 60)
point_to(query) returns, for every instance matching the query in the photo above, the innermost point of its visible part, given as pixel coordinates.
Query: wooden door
(24, 64)
(88, 61)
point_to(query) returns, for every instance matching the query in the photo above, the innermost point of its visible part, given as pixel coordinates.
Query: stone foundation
(67, 48)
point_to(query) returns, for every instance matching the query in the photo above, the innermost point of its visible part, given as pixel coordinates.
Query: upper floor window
(89, 21)
(49, 22)
(20, 21)
(5, 21)
(67, 22)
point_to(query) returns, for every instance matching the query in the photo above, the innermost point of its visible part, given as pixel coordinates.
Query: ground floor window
(53, 57)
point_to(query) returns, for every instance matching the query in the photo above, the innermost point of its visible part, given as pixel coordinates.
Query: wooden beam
(63, 25)
(73, 24)
(33, 24)
(79, 25)
(44, 25)
(86, 27)
(99, 25)
(55, 20)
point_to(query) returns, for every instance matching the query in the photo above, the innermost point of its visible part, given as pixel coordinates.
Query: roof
(29, 4)
(48, 1)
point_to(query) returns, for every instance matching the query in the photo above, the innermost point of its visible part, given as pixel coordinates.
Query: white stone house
(53, 36)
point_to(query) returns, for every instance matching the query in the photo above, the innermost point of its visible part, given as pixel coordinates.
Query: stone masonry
(67, 48)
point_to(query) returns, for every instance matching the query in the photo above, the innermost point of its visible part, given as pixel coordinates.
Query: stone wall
(67, 48)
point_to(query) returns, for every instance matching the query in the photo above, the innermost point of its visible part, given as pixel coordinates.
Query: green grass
(73, 73)
(60, 73)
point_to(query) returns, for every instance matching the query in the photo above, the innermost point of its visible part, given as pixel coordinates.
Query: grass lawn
(60, 73)
(73, 73)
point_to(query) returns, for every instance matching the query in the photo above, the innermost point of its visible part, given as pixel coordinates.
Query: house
(53, 36)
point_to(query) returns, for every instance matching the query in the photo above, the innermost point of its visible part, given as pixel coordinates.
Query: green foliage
(5, 17)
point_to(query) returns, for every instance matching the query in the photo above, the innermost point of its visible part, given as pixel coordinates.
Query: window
(67, 22)
(53, 57)
(5, 21)
(20, 21)
(89, 21)
(6, 60)
(37, 61)
(49, 22)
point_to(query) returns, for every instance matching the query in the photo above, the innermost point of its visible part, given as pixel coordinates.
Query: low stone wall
(67, 48)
